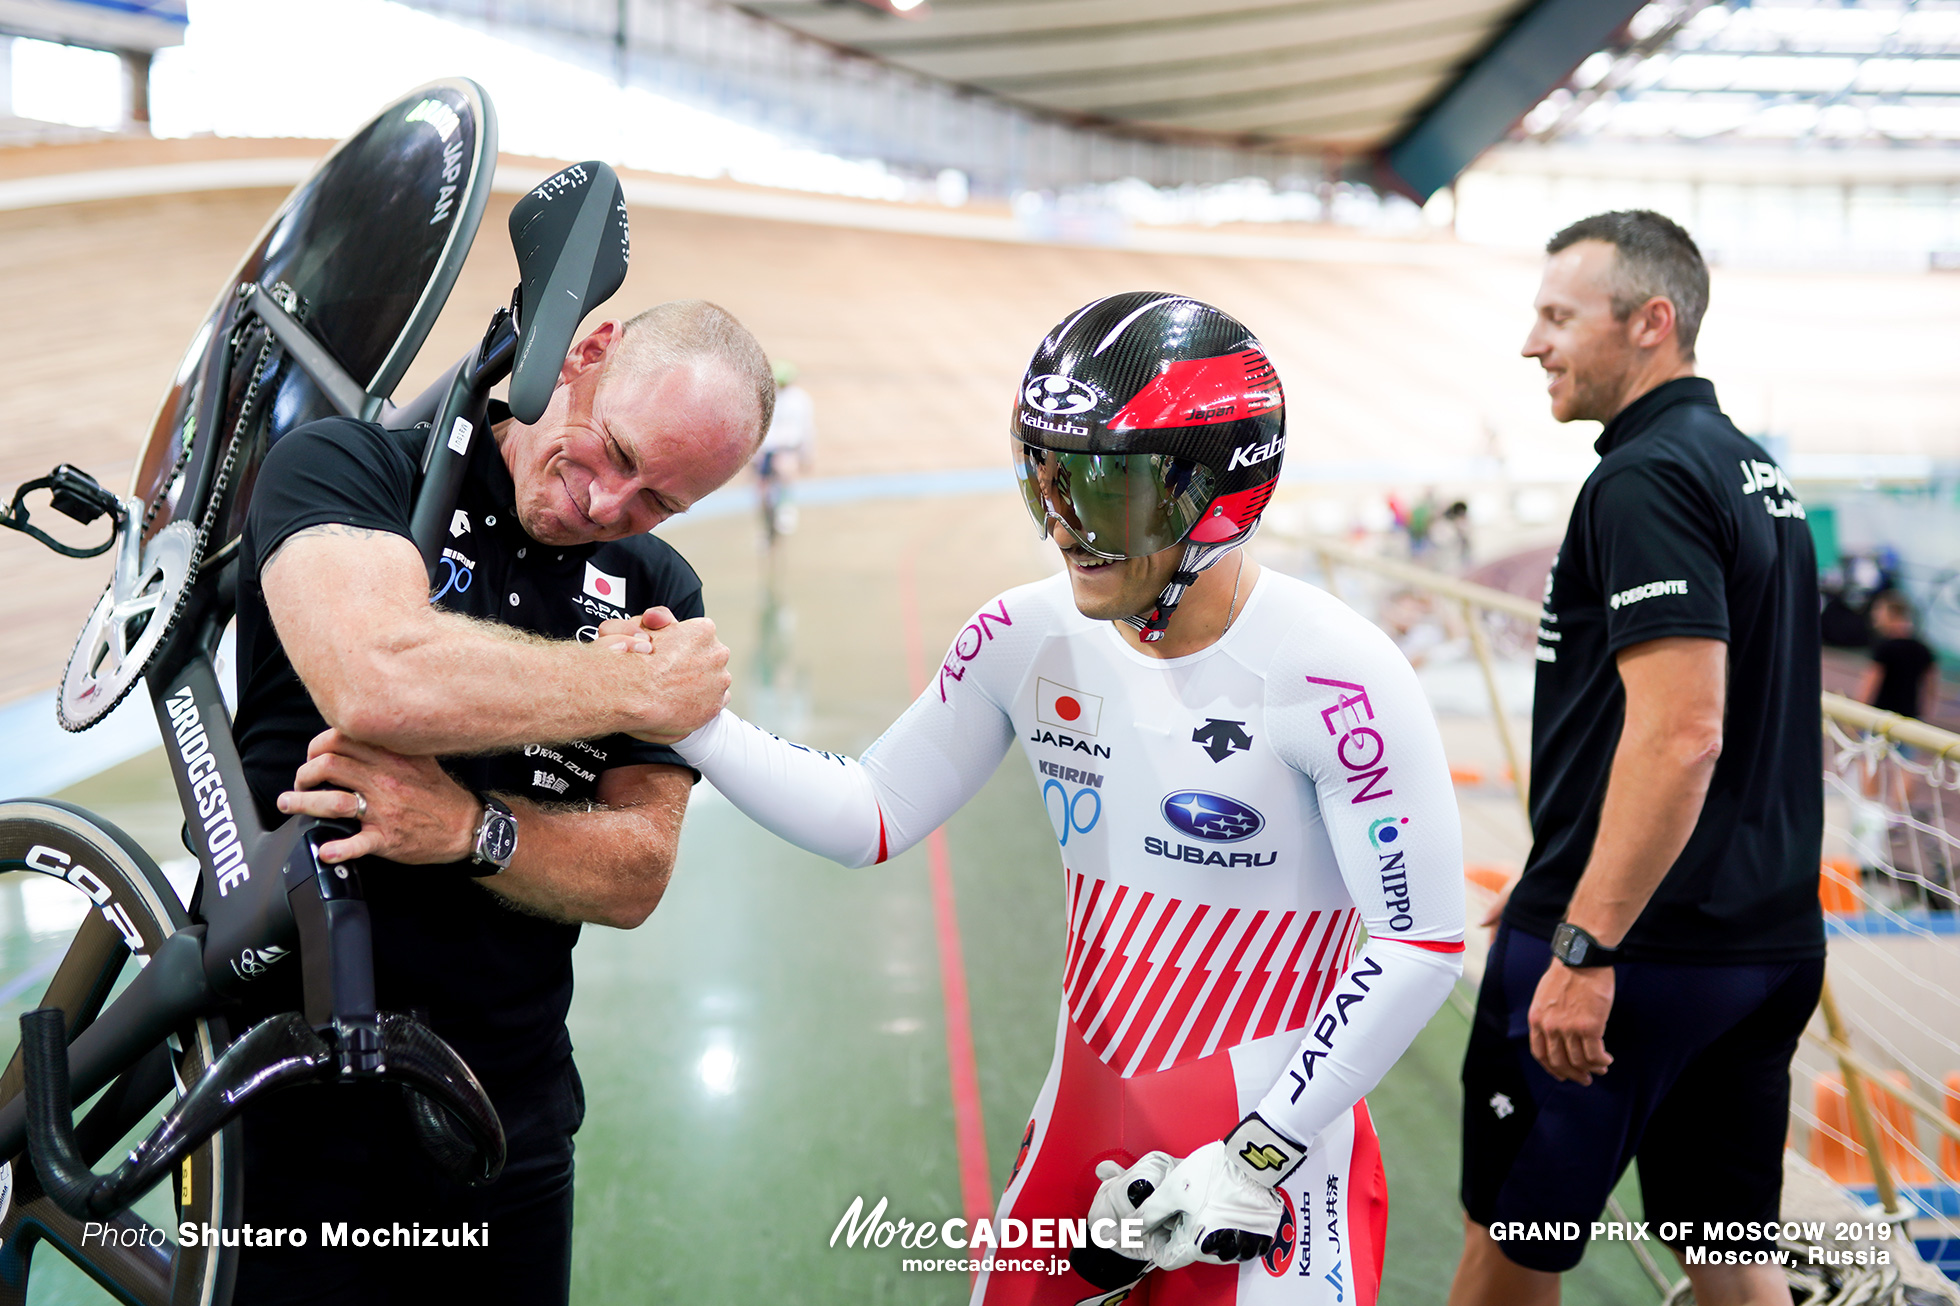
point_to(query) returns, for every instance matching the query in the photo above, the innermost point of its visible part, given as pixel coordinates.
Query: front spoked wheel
(79, 901)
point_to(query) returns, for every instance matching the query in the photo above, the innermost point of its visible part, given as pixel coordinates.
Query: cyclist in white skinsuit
(1236, 796)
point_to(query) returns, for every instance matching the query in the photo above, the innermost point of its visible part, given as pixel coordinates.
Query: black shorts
(1699, 1092)
(328, 1154)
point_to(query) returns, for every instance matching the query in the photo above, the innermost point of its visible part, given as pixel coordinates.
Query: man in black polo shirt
(449, 724)
(1662, 951)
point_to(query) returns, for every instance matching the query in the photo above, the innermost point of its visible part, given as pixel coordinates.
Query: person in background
(1458, 517)
(792, 432)
(1422, 524)
(1904, 676)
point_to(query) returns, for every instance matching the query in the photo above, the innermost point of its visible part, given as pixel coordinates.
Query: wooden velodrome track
(911, 344)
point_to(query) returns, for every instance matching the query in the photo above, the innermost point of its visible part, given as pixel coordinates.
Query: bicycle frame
(264, 897)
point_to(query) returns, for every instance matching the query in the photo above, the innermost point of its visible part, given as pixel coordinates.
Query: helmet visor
(1116, 505)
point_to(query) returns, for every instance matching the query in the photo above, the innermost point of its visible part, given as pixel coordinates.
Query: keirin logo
(1071, 815)
(1060, 396)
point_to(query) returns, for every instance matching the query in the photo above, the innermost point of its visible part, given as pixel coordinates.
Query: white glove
(1217, 1204)
(1117, 1199)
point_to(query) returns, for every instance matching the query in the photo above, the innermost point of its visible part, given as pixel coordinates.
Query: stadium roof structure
(1423, 86)
(135, 25)
(1800, 73)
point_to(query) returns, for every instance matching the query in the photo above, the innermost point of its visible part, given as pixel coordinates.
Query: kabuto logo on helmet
(1060, 396)
(1147, 421)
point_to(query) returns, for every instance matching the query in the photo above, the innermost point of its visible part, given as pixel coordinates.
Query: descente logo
(221, 843)
(1652, 590)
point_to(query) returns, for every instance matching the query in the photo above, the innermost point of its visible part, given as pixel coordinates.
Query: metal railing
(1881, 730)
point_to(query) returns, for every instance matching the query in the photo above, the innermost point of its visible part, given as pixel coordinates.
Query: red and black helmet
(1149, 420)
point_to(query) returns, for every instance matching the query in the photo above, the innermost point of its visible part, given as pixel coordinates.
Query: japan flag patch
(1066, 708)
(605, 587)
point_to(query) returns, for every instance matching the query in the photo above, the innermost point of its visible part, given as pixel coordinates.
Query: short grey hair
(1655, 259)
(683, 330)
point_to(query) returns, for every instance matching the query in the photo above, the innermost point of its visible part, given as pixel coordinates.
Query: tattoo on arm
(478, 625)
(325, 529)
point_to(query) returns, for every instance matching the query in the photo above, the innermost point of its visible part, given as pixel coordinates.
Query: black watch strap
(1580, 950)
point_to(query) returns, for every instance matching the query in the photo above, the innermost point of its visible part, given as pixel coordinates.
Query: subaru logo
(1059, 396)
(1211, 816)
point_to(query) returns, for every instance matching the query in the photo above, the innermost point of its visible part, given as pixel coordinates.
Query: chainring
(122, 634)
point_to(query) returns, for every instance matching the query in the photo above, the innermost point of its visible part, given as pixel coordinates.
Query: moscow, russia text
(1700, 1244)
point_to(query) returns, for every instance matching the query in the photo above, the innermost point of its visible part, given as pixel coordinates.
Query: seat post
(336, 948)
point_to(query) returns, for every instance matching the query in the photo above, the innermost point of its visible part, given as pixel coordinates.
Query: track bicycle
(322, 317)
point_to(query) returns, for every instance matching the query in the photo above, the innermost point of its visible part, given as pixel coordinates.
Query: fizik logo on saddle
(221, 843)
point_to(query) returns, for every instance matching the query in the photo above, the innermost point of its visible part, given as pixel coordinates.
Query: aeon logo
(1060, 396)
(1212, 817)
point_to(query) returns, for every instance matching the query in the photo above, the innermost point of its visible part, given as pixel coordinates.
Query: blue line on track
(857, 489)
(38, 757)
(27, 979)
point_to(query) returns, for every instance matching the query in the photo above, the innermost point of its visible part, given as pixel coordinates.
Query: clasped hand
(690, 673)
(411, 811)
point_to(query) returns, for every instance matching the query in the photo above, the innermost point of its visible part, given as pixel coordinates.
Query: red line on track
(969, 1127)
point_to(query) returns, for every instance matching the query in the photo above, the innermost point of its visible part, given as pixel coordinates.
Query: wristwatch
(1580, 950)
(496, 838)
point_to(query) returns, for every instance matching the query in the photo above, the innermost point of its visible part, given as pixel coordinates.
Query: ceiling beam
(1538, 51)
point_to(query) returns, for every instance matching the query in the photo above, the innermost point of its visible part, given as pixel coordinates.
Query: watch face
(499, 838)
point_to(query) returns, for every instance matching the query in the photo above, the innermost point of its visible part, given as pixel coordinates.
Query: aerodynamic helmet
(1149, 420)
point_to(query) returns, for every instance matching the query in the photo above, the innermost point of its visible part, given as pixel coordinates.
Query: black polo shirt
(495, 981)
(1905, 663)
(1686, 528)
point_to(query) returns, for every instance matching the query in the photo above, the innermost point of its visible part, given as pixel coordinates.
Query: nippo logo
(1213, 817)
(1387, 831)
(1059, 705)
(605, 587)
(1059, 396)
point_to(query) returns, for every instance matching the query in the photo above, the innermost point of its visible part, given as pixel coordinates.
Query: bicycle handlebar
(454, 1119)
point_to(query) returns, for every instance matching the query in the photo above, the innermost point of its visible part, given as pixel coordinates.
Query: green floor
(771, 1045)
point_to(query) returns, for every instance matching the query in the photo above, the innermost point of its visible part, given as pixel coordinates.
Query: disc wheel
(90, 901)
(123, 632)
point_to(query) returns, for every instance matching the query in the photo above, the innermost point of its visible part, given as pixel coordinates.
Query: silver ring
(360, 807)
